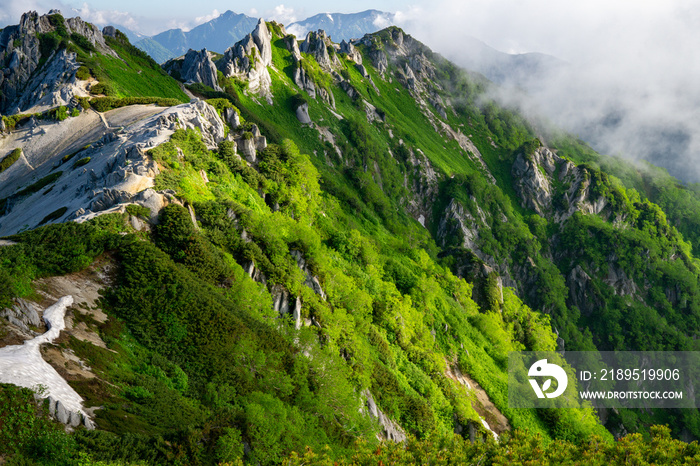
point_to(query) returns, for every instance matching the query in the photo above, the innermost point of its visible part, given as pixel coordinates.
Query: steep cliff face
(54, 85)
(553, 187)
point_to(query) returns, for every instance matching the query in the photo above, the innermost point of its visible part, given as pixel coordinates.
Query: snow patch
(22, 365)
(486, 426)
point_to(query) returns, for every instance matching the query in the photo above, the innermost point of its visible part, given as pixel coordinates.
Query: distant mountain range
(222, 32)
(217, 35)
(520, 70)
(523, 70)
(341, 26)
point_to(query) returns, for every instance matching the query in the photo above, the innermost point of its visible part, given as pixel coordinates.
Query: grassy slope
(132, 74)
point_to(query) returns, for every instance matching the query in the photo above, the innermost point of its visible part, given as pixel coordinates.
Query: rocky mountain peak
(21, 50)
(262, 37)
(350, 50)
(249, 59)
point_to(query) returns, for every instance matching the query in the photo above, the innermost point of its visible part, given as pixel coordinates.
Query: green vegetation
(42, 183)
(81, 162)
(103, 104)
(13, 120)
(518, 448)
(9, 159)
(59, 113)
(83, 72)
(55, 215)
(138, 211)
(27, 435)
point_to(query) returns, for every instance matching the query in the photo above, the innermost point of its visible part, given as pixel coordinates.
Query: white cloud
(104, 17)
(383, 21)
(282, 14)
(203, 19)
(11, 11)
(179, 24)
(634, 66)
(298, 30)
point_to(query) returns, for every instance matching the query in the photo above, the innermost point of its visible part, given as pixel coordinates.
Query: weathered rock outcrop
(535, 176)
(283, 304)
(246, 147)
(232, 117)
(197, 67)
(292, 45)
(460, 227)
(23, 314)
(390, 429)
(116, 171)
(249, 59)
(54, 85)
(304, 81)
(311, 280)
(20, 52)
(580, 295)
(625, 286)
(352, 53)
(424, 187)
(317, 44)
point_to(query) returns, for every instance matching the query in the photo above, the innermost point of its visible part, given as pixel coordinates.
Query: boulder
(232, 118)
(302, 113)
(246, 147)
(62, 414)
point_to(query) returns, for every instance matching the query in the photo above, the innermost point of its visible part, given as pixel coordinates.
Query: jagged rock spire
(249, 59)
(199, 68)
(315, 44)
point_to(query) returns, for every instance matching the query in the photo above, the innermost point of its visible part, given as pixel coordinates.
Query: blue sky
(157, 15)
(573, 31)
